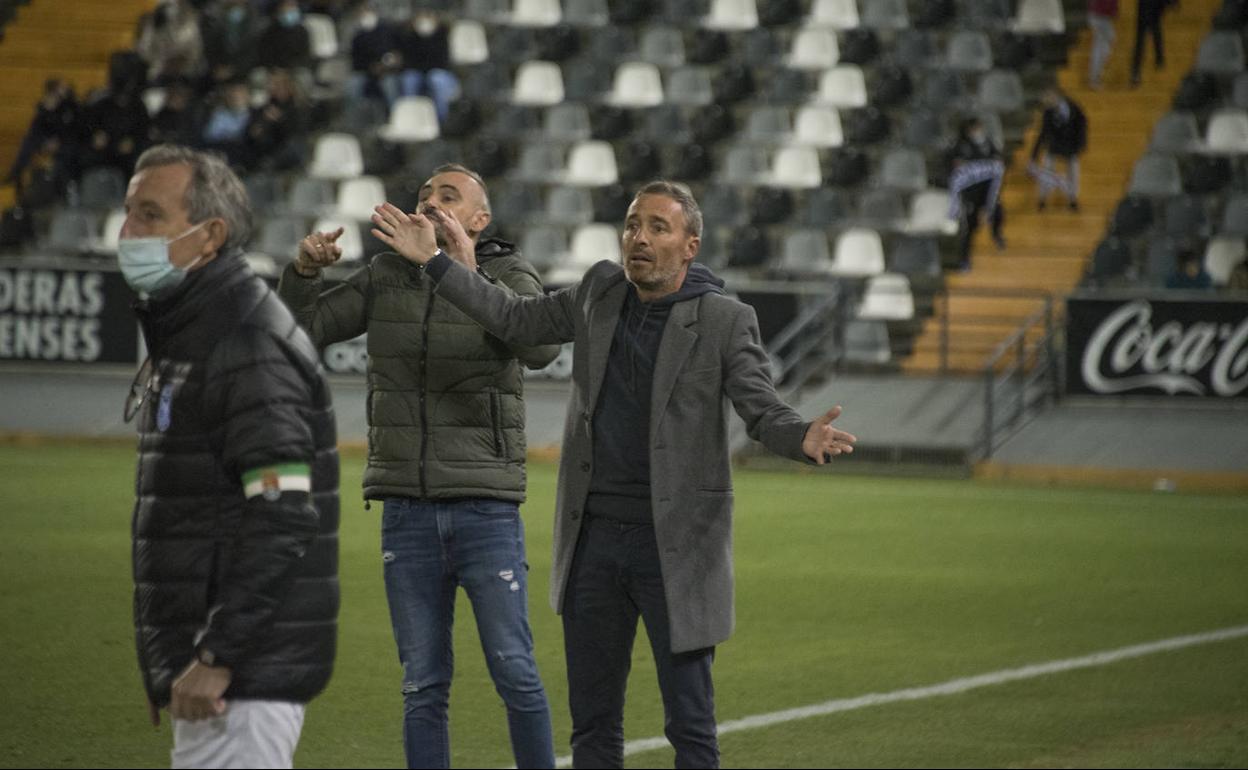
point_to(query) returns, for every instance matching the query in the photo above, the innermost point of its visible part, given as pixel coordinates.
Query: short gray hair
(459, 168)
(682, 195)
(213, 191)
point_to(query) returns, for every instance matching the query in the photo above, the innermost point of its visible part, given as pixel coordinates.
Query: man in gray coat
(643, 522)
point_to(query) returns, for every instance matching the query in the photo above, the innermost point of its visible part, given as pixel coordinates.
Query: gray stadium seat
(903, 169)
(1175, 132)
(569, 206)
(884, 14)
(806, 251)
(1221, 53)
(664, 46)
(1235, 216)
(969, 51)
(1001, 91)
(1156, 176)
(280, 236)
(101, 188)
(866, 342)
(567, 122)
(690, 87)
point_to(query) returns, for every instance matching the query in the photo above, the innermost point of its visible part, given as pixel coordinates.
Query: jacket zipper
(495, 412)
(422, 381)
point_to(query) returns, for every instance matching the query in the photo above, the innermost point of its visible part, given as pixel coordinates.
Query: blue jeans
(439, 85)
(615, 579)
(428, 549)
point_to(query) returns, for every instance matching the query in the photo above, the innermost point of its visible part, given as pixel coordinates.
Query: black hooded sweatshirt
(619, 487)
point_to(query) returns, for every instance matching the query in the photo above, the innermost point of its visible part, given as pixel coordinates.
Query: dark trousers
(974, 209)
(1148, 22)
(615, 579)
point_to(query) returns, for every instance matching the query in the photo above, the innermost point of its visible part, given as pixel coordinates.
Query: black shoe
(1074, 206)
(999, 241)
(1041, 205)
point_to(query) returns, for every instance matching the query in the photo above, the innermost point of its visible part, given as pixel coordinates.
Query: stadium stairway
(1048, 251)
(57, 38)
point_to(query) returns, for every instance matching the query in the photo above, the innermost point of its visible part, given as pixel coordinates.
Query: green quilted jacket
(445, 398)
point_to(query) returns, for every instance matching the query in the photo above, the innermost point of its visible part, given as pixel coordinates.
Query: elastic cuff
(438, 266)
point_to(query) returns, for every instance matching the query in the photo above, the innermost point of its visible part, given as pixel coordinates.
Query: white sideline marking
(952, 687)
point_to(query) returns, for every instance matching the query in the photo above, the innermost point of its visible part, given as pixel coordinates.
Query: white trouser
(251, 733)
(1102, 43)
(1049, 180)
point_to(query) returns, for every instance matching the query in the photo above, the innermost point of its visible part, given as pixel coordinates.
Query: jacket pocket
(495, 422)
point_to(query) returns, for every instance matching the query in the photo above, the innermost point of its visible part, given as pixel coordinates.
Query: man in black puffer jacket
(235, 525)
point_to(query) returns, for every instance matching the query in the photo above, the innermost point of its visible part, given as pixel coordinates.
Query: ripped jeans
(429, 548)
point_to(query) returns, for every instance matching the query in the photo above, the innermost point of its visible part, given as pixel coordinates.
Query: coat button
(585, 466)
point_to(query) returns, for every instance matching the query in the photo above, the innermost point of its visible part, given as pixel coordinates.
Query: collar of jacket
(165, 315)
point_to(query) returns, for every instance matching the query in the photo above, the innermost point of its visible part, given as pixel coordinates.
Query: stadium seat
(916, 258)
(1227, 133)
(732, 15)
(768, 125)
(1239, 91)
(885, 14)
(1040, 17)
(566, 122)
(1221, 257)
(111, 233)
(569, 206)
(1235, 216)
(806, 251)
(813, 48)
(1185, 216)
(1221, 53)
(280, 236)
(311, 197)
(929, 213)
(743, 165)
(943, 90)
(690, 87)
(866, 342)
(102, 187)
(924, 129)
(817, 126)
(770, 206)
(1001, 91)
(722, 206)
(322, 35)
(915, 49)
(591, 244)
(882, 209)
(824, 207)
(539, 163)
(795, 168)
(591, 164)
(859, 253)
(544, 247)
(535, 13)
(662, 46)
(468, 44)
(262, 265)
(842, 86)
(969, 51)
(887, 298)
(1205, 174)
(1110, 260)
(838, 14)
(1132, 217)
(637, 84)
(759, 48)
(586, 13)
(351, 242)
(412, 119)
(538, 84)
(337, 156)
(358, 197)
(903, 169)
(1175, 133)
(1156, 176)
(707, 46)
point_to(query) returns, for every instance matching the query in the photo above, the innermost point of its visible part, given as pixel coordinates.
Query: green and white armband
(272, 480)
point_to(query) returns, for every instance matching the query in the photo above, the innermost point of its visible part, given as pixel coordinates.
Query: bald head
(458, 192)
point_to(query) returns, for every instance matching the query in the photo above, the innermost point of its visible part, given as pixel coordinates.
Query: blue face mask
(290, 18)
(145, 263)
(237, 14)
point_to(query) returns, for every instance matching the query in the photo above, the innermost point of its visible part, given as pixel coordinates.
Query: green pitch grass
(845, 586)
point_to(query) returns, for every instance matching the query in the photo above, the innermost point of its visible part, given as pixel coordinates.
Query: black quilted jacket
(235, 386)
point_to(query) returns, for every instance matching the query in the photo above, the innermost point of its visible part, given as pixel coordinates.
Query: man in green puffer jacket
(446, 457)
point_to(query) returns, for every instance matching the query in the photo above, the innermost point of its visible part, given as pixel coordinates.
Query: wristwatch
(206, 657)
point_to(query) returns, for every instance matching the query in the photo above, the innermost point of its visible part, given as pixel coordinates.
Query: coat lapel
(603, 318)
(678, 340)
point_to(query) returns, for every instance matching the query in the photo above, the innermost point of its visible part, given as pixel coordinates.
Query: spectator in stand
(114, 130)
(1064, 135)
(178, 121)
(976, 181)
(231, 33)
(375, 59)
(278, 128)
(426, 48)
(284, 43)
(170, 43)
(53, 132)
(1102, 14)
(1148, 19)
(226, 129)
(1189, 272)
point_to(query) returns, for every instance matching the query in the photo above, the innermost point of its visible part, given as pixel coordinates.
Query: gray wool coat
(710, 350)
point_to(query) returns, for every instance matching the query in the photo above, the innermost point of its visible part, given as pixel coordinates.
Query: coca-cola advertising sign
(1157, 347)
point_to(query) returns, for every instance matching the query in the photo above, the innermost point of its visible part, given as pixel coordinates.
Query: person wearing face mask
(975, 186)
(236, 515)
(374, 60)
(643, 522)
(285, 43)
(426, 49)
(446, 458)
(170, 42)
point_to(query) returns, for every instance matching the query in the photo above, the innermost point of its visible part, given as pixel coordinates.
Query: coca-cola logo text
(1126, 353)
